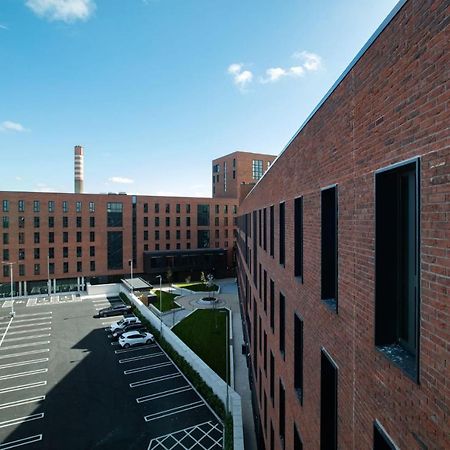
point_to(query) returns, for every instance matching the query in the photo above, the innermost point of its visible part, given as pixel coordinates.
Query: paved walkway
(228, 298)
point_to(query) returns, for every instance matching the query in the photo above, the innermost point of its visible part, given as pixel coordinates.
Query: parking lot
(64, 384)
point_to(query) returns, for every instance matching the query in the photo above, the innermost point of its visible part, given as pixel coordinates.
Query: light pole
(10, 264)
(160, 304)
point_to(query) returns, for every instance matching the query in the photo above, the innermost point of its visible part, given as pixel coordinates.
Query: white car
(122, 323)
(135, 338)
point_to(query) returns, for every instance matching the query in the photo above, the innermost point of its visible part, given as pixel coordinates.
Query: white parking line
(33, 344)
(31, 352)
(8, 303)
(30, 331)
(22, 386)
(155, 379)
(143, 347)
(142, 369)
(23, 374)
(36, 314)
(8, 423)
(171, 411)
(20, 442)
(4, 334)
(31, 325)
(23, 338)
(114, 343)
(100, 300)
(138, 358)
(109, 323)
(25, 401)
(169, 392)
(31, 320)
(23, 363)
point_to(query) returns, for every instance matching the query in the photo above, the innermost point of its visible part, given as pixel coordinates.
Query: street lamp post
(10, 264)
(160, 304)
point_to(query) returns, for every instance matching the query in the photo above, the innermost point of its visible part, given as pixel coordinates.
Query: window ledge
(330, 303)
(401, 358)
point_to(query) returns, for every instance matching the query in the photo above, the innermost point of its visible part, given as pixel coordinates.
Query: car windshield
(118, 307)
(121, 321)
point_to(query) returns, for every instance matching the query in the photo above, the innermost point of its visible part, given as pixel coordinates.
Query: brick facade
(390, 107)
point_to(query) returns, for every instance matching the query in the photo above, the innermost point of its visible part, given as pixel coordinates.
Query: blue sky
(155, 89)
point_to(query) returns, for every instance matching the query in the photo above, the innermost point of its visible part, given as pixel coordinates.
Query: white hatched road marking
(23, 374)
(169, 392)
(143, 347)
(138, 358)
(8, 423)
(30, 331)
(30, 320)
(25, 401)
(24, 338)
(31, 352)
(23, 363)
(46, 313)
(32, 302)
(22, 386)
(8, 303)
(30, 325)
(142, 369)
(4, 334)
(33, 344)
(20, 442)
(155, 379)
(172, 411)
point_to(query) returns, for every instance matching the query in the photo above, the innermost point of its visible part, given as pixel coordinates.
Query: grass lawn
(167, 301)
(198, 331)
(197, 286)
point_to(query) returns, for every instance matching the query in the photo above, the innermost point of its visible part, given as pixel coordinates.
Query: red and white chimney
(79, 170)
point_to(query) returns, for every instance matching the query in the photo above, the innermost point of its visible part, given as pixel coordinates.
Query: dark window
(178, 221)
(6, 270)
(65, 221)
(203, 239)
(178, 234)
(22, 270)
(51, 252)
(272, 231)
(22, 238)
(188, 234)
(36, 206)
(272, 378)
(282, 233)
(21, 222)
(37, 269)
(265, 413)
(37, 222)
(91, 251)
(78, 222)
(328, 403)
(115, 214)
(78, 206)
(167, 246)
(381, 440)
(51, 268)
(167, 234)
(167, 221)
(51, 222)
(21, 253)
(79, 266)
(92, 266)
(178, 246)
(156, 221)
(282, 412)
(188, 221)
(260, 228)
(37, 253)
(92, 236)
(216, 209)
(203, 215)
(145, 207)
(21, 206)
(216, 221)
(145, 235)
(65, 236)
(329, 266)
(145, 247)
(79, 236)
(282, 323)
(167, 207)
(115, 250)
(156, 207)
(264, 232)
(298, 443)
(65, 252)
(37, 238)
(272, 305)
(65, 206)
(298, 237)
(92, 222)
(91, 207)
(5, 254)
(79, 252)
(51, 206)
(298, 357)
(5, 222)
(156, 235)
(178, 208)
(65, 267)
(265, 353)
(257, 169)
(5, 238)
(5, 205)
(157, 247)
(188, 209)
(397, 265)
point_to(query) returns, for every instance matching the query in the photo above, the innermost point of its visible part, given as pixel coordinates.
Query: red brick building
(344, 255)
(73, 238)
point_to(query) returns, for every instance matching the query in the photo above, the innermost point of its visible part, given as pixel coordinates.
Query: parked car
(114, 311)
(137, 326)
(135, 338)
(120, 324)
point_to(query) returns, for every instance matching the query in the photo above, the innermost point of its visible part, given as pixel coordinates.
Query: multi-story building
(67, 239)
(344, 265)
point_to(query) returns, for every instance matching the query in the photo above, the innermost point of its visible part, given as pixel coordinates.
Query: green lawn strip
(167, 300)
(199, 332)
(198, 287)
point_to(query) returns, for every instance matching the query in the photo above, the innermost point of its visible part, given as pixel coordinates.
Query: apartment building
(343, 255)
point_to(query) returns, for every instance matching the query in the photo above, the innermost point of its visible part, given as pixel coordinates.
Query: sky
(155, 89)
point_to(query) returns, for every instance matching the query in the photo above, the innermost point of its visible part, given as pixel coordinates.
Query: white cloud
(64, 10)
(310, 61)
(8, 125)
(241, 77)
(121, 180)
(3, 27)
(42, 187)
(276, 73)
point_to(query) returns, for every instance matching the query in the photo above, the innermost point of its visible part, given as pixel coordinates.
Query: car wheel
(148, 341)
(127, 345)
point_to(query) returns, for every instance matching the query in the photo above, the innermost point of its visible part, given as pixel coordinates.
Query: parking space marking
(31, 352)
(169, 392)
(8, 303)
(135, 349)
(143, 369)
(31, 325)
(23, 363)
(30, 320)
(23, 386)
(7, 328)
(20, 442)
(36, 314)
(30, 331)
(23, 338)
(155, 379)
(25, 401)
(32, 344)
(138, 358)
(109, 323)
(172, 411)
(23, 374)
(114, 343)
(8, 423)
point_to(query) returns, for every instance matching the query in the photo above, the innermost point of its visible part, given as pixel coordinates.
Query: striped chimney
(79, 171)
